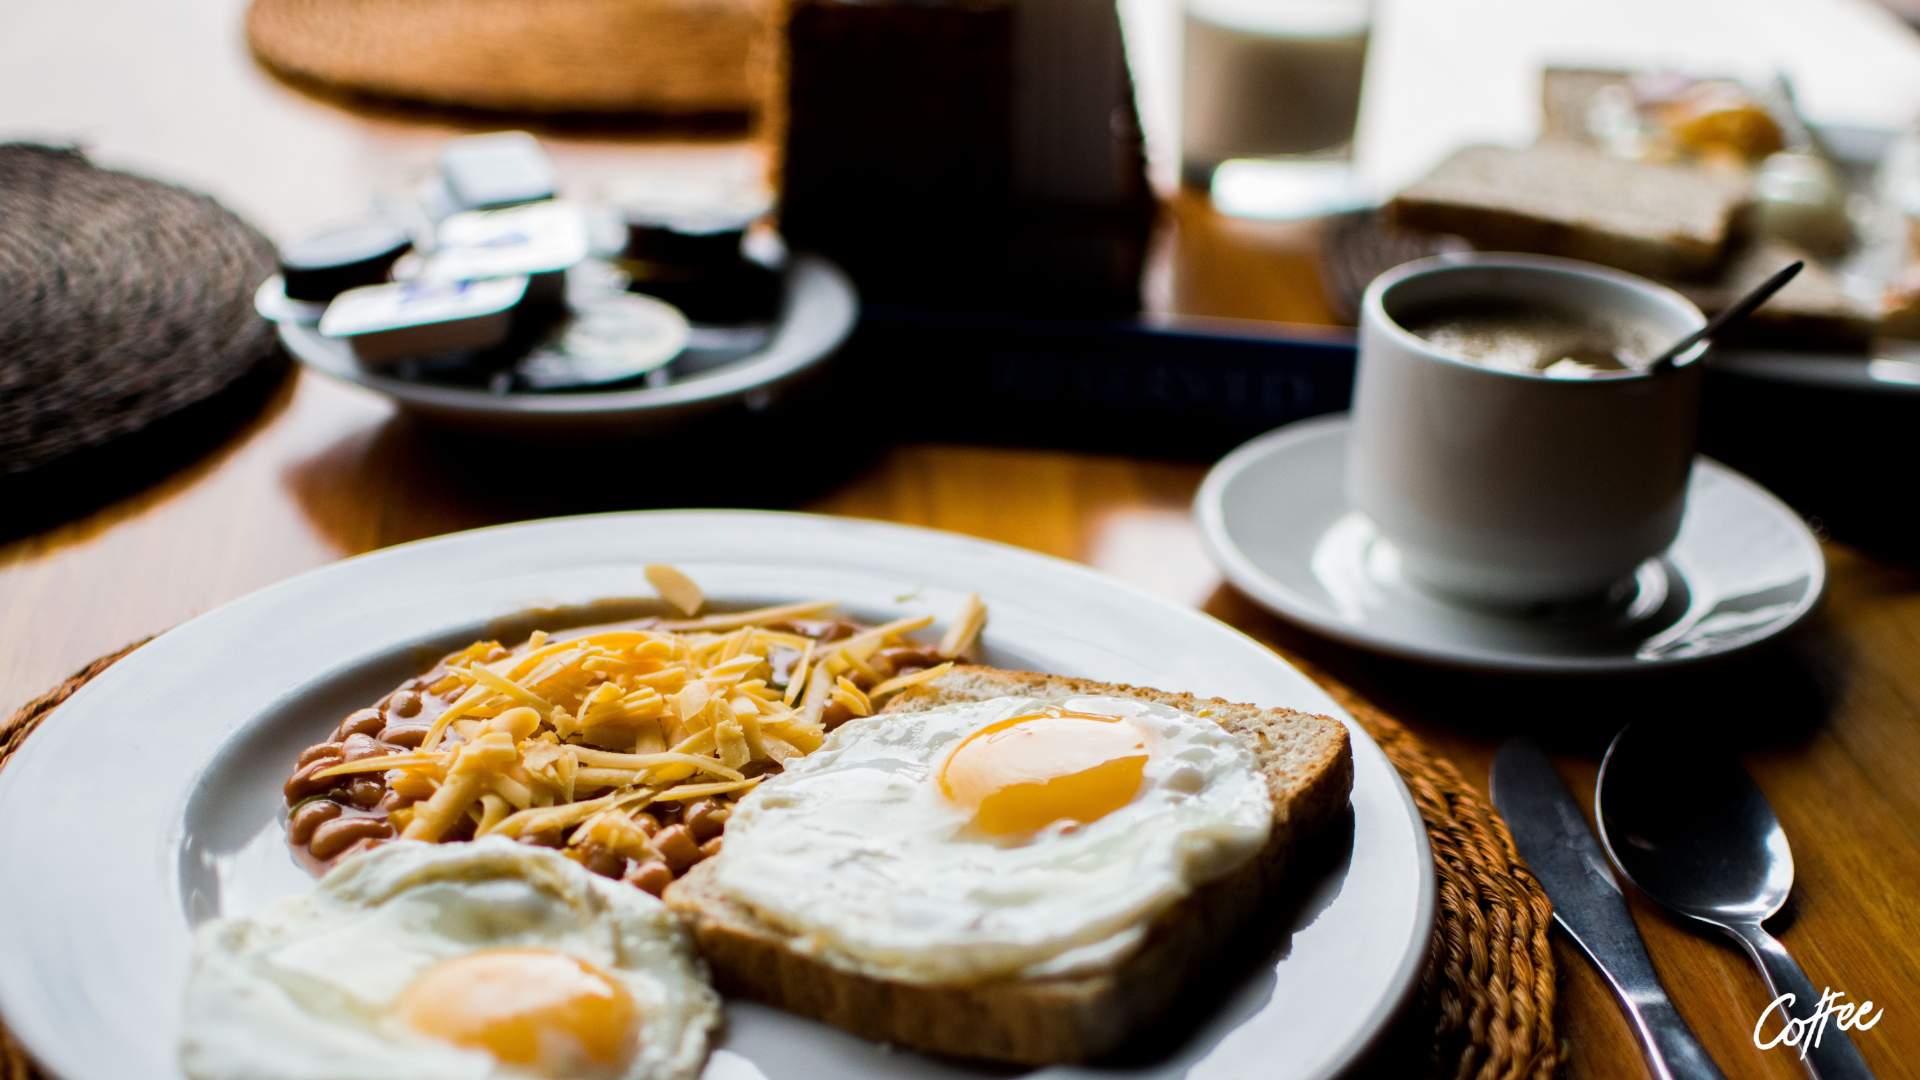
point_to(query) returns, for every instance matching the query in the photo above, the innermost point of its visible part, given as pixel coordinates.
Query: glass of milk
(1270, 78)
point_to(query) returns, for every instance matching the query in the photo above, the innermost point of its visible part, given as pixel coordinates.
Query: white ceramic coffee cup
(1509, 488)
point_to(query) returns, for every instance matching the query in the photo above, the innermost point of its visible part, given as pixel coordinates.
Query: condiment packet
(538, 238)
(420, 318)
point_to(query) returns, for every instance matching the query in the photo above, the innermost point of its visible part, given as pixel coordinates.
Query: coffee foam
(1538, 339)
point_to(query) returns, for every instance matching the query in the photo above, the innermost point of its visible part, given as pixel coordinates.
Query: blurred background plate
(819, 308)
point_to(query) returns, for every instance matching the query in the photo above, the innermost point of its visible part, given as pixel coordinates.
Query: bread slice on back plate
(1664, 221)
(1309, 767)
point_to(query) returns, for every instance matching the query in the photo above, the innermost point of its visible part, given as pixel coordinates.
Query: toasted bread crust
(1309, 767)
(1555, 199)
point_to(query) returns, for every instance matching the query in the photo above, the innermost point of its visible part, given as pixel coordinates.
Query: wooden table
(1830, 724)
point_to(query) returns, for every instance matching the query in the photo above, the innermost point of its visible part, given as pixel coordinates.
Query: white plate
(152, 800)
(819, 308)
(1274, 516)
(1892, 370)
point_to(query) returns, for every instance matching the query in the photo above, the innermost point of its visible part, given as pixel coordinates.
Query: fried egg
(1015, 836)
(416, 961)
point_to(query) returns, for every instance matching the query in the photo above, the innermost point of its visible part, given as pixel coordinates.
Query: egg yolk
(550, 1012)
(1027, 772)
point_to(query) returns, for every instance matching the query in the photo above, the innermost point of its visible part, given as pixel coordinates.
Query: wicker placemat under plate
(1485, 1008)
(126, 317)
(672, 57)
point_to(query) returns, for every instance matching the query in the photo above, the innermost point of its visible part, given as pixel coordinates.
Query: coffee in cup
(1535, 338)
(1510, 436)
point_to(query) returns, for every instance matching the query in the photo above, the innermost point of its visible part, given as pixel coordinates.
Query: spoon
(1693, 832)
(1732, 313)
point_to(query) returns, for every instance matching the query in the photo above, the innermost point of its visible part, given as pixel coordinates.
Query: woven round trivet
(1488, 989)
(124, 303)
(1485, 1010)
(1357, 247)
(539, 56)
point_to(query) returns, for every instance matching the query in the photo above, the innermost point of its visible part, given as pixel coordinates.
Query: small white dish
(818, 314)
(153, 800)
(270, 300)
(1274, 516)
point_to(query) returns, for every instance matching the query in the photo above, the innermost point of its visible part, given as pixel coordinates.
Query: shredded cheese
(965, 627)
(676, 588)
(899, 683)
(588, 730)
(696, 791)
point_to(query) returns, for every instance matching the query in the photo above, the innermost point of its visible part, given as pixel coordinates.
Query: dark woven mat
(1485, 1006)
(124, 303)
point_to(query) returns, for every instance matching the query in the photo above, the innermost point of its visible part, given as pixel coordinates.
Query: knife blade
(1552, 836)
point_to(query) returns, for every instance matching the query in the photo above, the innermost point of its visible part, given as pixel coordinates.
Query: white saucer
(1274, 516)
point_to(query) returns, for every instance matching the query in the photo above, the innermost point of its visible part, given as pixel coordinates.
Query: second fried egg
(482, 961)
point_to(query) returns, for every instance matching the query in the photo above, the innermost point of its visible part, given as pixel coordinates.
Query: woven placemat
(1357, 247)
(1489, 988)
(1486, 998)
(526, 56)
(126, 309)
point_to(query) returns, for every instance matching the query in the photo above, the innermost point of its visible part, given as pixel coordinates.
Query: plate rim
(1379, 1022)
(1209, 513)
(1842, 373)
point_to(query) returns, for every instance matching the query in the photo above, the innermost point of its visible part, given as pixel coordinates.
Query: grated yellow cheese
(676, 588)
(588, 730)
(901, 682)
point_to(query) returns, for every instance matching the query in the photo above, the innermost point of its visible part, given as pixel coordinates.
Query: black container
(1182, 388)
(698, 264)
(344, 256)
(1831, 440)
(898, 164)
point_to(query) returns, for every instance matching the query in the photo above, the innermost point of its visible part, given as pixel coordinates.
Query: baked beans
(651, 876)
(332, 817)
(333, 837)
(309, 817)
(366, 722)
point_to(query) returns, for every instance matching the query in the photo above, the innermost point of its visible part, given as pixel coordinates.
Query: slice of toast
(1558, 199)
(1308, 764)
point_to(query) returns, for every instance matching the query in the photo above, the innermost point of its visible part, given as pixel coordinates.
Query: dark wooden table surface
(1829, 724)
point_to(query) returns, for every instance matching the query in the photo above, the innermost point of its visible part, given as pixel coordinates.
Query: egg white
(304, 991)
(856, 851)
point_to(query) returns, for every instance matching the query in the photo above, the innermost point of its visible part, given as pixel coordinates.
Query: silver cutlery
(1694, 833)
(1552, 836)
(1733, 313)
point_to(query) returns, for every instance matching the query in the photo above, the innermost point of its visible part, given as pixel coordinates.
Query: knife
(1552, 836)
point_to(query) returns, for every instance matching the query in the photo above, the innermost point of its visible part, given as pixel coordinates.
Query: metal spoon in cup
(1733, 313)
(1694, 833)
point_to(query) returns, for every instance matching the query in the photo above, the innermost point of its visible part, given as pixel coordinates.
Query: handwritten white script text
(1805, 1031)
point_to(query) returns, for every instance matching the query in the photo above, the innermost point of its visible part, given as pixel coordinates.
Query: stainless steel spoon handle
(1833, 1057)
